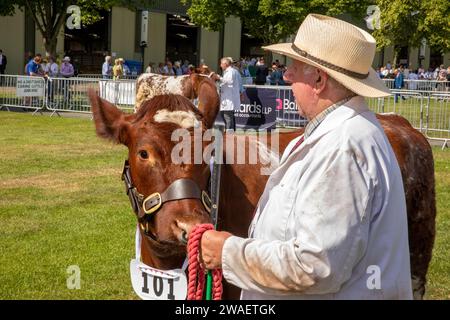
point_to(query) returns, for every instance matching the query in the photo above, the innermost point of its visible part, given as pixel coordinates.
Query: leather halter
(180, 189)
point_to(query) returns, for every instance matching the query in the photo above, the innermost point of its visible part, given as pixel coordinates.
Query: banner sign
(262, 107)
(30, 87)
(257, 109)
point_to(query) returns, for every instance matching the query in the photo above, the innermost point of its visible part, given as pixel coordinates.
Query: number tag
(154, 284)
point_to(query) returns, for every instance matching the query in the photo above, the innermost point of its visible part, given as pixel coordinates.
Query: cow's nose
(183, 229)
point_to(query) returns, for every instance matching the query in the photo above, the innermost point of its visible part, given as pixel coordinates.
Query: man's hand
(211, 248)
(215, 77)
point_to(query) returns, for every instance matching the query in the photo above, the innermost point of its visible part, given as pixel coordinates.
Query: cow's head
(148, 136)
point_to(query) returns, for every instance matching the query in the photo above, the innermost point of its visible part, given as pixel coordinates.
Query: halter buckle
(206, 200)
(155, 203)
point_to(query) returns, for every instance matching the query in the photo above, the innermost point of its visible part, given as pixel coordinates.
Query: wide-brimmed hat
(66, 59)
(341, 49)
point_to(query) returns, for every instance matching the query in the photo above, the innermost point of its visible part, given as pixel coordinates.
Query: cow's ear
(110, 122)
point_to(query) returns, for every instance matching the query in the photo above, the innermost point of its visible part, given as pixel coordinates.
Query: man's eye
(143, 154)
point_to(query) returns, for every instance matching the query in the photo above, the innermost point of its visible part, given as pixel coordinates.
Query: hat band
(328, 65)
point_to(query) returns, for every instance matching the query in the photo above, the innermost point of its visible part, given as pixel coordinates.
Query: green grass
(62, 203)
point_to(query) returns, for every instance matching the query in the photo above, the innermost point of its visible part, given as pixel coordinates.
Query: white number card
(154, 284)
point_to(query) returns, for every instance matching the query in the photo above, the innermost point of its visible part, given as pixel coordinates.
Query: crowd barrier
(420, 85)
(427, 110)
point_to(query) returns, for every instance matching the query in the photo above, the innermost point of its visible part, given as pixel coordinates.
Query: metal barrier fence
(63, 94)
(22, 91)
(427, 110)
(99, 76)
(421, 85)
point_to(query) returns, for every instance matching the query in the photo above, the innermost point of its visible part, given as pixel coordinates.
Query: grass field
(62, 203)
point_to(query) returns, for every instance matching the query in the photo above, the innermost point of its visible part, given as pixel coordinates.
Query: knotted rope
(196, 271)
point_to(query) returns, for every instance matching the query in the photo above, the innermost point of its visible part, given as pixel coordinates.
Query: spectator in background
(413, 76)
(3, 62)
(67, 69)
(177, 68)
(398, 83)
(168, 69)
(191, 69)
(406, 71)
(244, 70)
(448, 79)
(149, 68)
(276, 76)
(126, 68)
(51, 70)
(229, 92)
(160, 69)
(185, 67)
(107, 68)
(32, 67)
(118, 69)
(388, 66)
(237, 67)
(261, 72)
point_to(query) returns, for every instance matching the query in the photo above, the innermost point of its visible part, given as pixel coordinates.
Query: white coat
(331, 222)
(230, 90)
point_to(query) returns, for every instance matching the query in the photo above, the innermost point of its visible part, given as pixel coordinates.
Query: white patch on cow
(185, 119)
(174, 85)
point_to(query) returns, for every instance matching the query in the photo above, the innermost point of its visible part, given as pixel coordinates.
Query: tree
(406, 22)
(51, 15)
(269, 20)
(403, 22)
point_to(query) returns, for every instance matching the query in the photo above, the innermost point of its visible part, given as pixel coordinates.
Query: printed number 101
(157, 286)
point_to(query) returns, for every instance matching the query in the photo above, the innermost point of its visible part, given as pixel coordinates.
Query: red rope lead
(196, 272)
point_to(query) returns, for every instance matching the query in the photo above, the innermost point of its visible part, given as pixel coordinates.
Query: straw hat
(341, 49)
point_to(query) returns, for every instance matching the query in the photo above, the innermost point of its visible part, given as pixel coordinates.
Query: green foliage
(407, 22)
(403, 22)
(269, 20)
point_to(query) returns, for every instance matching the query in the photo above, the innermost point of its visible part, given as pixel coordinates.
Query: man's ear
(110, 122)
(321, 81)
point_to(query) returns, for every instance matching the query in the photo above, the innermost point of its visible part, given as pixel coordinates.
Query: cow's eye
(143, 154)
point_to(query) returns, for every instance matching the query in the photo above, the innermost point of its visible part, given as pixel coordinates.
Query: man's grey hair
(108, 58)
(227, 60)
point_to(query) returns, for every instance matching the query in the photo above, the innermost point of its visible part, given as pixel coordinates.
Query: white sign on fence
(30, 87)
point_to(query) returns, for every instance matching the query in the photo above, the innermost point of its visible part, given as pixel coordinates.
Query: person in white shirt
(230, 92)
(107, 68)
(413, 77)
(149, 68)
(51, 70)
(331, 222)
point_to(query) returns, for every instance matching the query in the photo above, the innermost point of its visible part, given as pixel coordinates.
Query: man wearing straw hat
(331, 222)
